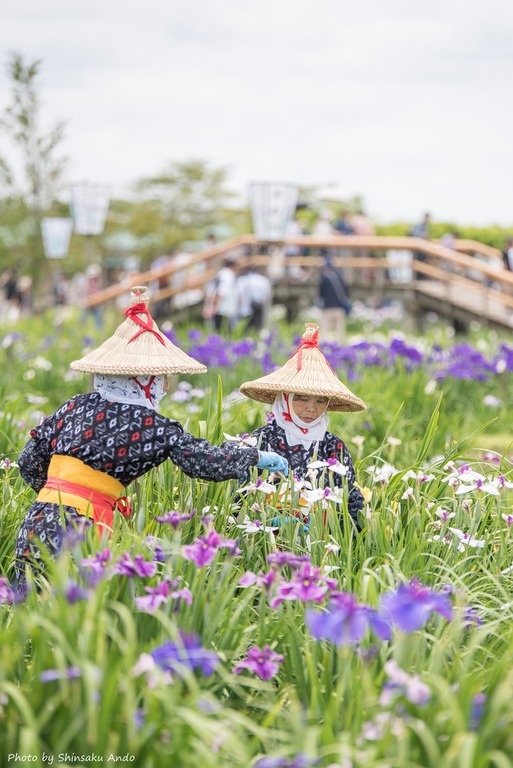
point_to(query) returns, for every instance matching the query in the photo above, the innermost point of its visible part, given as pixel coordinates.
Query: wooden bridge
(465, 284)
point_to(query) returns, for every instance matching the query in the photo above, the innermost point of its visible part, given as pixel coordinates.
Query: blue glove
(273, 462)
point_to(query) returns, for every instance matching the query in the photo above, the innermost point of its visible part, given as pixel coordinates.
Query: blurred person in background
(163, 282)
(507, 262)
(93, 284)
(24, 289)
(335, 302)
(295, 228)
(361, 224)
(421, 229)
(10, 308)
(323, 228)
(342, 225)
(507, 255)
(254, 295)
(363, 227)
(221, 300)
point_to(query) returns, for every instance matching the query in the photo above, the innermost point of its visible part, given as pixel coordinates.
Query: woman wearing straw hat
(80, 459)
(302, 392)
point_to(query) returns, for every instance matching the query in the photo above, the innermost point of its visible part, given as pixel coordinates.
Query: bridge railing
(367, 260)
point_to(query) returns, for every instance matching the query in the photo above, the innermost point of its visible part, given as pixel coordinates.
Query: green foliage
(42, 170)
(333, 704)
(182, 203)
(31, 172)
(492, 235)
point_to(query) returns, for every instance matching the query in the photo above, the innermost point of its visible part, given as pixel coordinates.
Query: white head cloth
(131, 389)
(296, 430)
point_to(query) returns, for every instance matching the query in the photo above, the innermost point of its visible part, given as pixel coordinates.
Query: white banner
(89, 207)
(272, 205)
(56, 234)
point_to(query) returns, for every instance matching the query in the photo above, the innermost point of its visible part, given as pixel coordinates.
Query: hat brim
(343, 401)
(117, 356)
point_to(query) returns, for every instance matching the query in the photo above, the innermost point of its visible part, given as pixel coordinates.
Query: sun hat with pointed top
(138, 347)
(306, 372)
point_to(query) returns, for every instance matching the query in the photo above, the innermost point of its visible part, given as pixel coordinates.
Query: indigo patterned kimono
(122, 440)
(271, 437)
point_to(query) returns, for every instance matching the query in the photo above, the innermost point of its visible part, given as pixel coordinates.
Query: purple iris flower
(74, 592)
(98, 563)
(136, 567)
(171, 335)
(411, 605)
(160, 594)
(204, 549)
(380, 626)
(232, 545)
(472, 618)
(264, 662)
(477, 711)
(308, 585)
(188, 653)
(50, 675)
(281, 558)
(344, 622)
(175, 518)
(153, 543)
(264, 580)
(139, 716)
(6, 592)
(158, 554)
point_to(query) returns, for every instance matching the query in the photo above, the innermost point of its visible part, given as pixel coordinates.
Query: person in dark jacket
(302, 393)
(335, 302)
(80, 460)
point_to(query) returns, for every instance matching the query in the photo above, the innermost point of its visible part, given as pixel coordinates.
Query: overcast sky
(405, 102)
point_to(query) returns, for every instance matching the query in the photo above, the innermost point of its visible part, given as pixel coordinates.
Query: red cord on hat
(310, 344)
(134, 312)
(306, 344)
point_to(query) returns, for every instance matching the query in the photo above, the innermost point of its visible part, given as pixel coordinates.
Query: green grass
(330, 703)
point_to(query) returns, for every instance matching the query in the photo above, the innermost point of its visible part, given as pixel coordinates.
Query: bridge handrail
(213, 256)
(473, 246)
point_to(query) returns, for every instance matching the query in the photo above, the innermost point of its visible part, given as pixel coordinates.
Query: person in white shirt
(323, 226)
(254, 292)
(222, 303)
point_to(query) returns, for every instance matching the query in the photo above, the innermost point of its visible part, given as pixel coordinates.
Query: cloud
(405, 103)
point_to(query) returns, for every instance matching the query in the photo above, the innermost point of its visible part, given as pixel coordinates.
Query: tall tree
(31, 177)
(179, 204)
(38, 174)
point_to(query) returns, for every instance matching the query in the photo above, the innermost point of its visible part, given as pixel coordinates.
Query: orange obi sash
(91, 492)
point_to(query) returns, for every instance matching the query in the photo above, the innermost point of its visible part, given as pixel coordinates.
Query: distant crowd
(240, 293)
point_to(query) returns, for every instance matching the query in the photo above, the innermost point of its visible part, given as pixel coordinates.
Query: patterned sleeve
(35, 458)
(262, 435)
(199, 458)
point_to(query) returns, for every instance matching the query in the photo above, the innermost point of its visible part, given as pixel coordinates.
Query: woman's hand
(273, 462)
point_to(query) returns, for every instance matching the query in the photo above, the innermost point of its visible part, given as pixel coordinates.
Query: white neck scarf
(296, 430)
(137, 390)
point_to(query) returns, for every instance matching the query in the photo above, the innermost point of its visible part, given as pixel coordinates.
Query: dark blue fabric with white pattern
(122, 440)
(271, 437)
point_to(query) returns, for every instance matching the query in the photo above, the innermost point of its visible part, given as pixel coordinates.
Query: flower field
(254, 630)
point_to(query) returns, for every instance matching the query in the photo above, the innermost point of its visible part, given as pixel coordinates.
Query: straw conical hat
(307, 372)
(138, 347)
